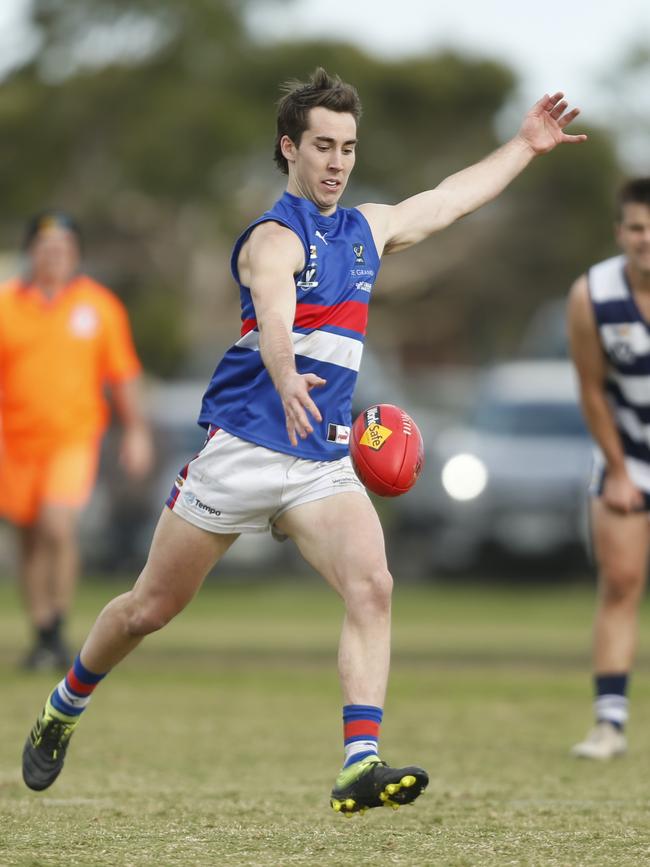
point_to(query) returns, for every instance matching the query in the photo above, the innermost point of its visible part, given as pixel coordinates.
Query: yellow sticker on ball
(375, 435)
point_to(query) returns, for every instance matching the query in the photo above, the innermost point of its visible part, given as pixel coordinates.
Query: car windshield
(540, 419)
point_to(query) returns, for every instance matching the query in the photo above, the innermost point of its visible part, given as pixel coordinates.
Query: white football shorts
(233, 486)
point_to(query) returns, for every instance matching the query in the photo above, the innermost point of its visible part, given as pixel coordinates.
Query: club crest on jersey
(307, 279)
(622, 352)
(621, 348)
(358, 252)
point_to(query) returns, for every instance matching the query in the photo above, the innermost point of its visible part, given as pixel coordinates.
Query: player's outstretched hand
(297, 402)
(544, 125)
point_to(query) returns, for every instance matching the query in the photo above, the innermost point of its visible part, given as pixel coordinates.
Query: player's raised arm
(396, 227)
(270, 259)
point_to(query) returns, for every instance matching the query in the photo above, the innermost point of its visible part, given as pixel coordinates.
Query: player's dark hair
(47, 219)
(322, 89)
(634, 191)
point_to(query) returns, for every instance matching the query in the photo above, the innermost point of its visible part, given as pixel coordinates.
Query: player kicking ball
(277, 412)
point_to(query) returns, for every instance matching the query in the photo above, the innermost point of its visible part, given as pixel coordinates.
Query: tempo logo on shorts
(192, 500)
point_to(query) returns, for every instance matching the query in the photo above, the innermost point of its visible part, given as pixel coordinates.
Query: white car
(513, 478)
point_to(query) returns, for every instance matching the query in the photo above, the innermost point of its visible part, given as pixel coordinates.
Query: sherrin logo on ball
(387, 450)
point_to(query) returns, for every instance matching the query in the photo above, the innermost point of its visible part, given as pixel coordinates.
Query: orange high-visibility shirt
(55, 358)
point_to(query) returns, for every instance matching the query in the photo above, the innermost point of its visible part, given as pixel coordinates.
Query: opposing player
(278, 418)
(64, 338)
(609, 316)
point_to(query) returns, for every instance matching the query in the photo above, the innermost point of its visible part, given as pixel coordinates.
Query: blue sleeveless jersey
(332, 295)
(625, 337)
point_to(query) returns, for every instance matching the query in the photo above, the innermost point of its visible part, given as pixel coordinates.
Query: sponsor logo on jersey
(362, 286)
(321, 236)
(338, 433)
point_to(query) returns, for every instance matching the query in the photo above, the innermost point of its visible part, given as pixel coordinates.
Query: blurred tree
(154, 123)
(626, 98)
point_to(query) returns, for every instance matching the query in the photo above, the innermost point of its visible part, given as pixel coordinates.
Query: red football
(387, 450)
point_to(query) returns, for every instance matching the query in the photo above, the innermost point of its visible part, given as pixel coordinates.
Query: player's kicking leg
(181, 555)
(341, 537)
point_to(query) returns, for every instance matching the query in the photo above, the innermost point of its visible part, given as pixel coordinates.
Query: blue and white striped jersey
(625, 337)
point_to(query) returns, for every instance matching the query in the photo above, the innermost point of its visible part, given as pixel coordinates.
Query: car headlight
(464, 477)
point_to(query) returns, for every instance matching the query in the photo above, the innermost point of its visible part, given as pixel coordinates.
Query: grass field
(217, 742)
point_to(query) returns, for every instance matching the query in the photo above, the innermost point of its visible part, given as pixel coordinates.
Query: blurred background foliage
(154, 124)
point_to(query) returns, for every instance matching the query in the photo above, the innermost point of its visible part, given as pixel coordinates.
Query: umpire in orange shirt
(63, 339)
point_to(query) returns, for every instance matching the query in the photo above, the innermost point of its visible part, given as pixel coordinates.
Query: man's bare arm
(136, 449)
(270, 259)
(396, 227)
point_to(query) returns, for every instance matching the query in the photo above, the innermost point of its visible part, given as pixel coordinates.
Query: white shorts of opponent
(233, 486)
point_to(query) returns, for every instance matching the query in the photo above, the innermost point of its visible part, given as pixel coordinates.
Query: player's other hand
(621, 495)
(543, 127)
(298, 405)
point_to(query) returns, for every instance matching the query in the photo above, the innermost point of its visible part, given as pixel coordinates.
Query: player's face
(54, 255)
(633, 235)
(320, 166)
